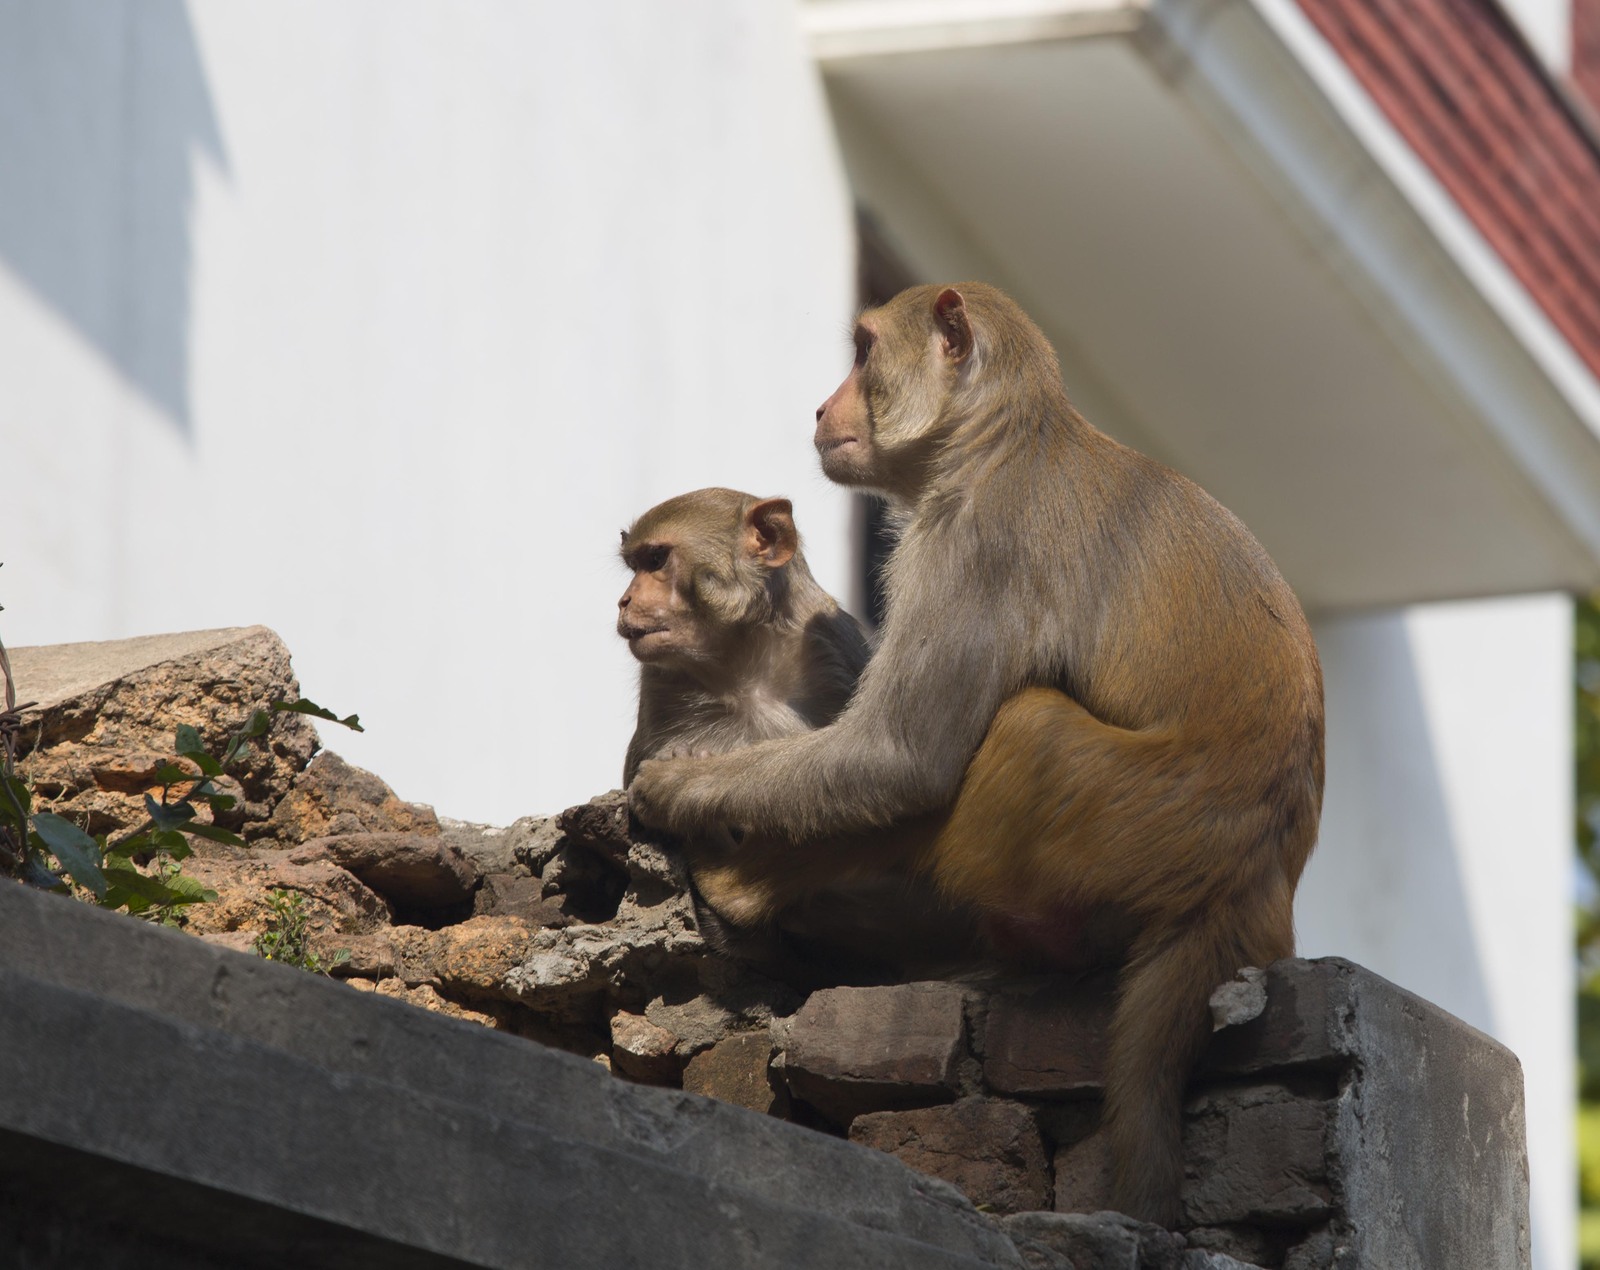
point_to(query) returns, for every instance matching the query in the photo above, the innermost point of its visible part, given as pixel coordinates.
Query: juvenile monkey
(738, 643)
(1142, 681)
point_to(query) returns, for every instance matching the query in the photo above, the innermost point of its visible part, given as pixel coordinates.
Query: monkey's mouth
(827, 445)
(633, 633)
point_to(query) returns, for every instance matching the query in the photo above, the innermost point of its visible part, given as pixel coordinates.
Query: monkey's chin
(649, 645)
(845, 462)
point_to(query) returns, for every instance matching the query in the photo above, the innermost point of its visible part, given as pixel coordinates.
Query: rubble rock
(517, 895)
(849, 1050)
(644, 1052)
(410, 870)
(105, 714)
(499, 850)
(1048, 1038)
(989, 1148)
(1241, 999)
(423, 997)
(336, 901)
(473, 958)
(738, 1069)
(373, 956)
(330, 797)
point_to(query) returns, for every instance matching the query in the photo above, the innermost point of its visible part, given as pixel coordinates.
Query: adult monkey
(1146, 679)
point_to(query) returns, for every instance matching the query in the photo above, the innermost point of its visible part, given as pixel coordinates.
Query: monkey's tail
(1159, 1028)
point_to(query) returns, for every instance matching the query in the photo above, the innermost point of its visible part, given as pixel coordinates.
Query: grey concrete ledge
(291, 1117)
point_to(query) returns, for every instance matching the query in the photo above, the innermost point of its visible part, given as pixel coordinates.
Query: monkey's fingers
(661, 796)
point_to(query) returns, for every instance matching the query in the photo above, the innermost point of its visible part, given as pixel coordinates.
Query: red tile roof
(1467, 95)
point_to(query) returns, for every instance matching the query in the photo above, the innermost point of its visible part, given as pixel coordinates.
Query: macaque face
(844, 436)
(701, 564)
(655, 614)
(876, 428)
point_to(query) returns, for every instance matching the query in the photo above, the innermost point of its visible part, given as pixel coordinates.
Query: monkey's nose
(820, 410)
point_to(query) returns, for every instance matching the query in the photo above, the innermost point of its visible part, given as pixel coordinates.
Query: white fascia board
(842, 29)
(1287, 104)
(1296, 114)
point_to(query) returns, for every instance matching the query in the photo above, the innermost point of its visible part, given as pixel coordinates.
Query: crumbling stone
(1256, 1154)
(644, 1052)
(335, 901)
(473, 958)
(517, 895)
(105, 715)
(424, 997)
(850, 1050)
(738, 1069)
(1241, 999)
(373, 956)
(410, 870)
(330, 797)
(1048, 1038)
(493, 849)
(989, 1148)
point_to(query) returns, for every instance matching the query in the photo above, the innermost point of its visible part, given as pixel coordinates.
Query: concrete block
(453, 1140)
(1256, 1154)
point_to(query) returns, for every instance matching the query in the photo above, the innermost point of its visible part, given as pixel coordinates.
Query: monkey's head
(707, 567)
(923, 364)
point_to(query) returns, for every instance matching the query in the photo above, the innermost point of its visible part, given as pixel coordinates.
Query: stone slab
(452, 1139)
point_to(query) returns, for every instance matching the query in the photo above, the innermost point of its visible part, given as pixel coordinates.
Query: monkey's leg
(1059, 811)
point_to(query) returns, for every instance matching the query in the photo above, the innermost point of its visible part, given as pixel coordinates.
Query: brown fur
(1110, 659)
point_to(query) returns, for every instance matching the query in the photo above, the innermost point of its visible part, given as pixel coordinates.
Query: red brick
(988, 1148)
(737, 1069)
(850, 1050)
(1049, 1039)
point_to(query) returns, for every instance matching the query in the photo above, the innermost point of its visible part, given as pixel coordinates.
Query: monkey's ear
(770, 535)
(950, 311)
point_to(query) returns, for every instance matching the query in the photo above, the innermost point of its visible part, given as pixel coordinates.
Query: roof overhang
(1246, 273)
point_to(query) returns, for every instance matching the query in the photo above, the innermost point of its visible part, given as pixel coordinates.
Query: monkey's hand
(676, 795)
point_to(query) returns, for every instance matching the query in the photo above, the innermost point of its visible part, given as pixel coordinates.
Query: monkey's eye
(653, 559)
(863, 346)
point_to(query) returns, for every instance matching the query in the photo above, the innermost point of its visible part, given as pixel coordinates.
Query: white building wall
(1445, 861)
(375, 322)
(1547, 27)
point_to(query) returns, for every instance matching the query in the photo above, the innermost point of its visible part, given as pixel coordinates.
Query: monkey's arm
(899, 749)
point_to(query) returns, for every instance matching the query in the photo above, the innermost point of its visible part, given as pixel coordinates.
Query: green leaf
(305, 706)
(215, 833)
(172, 842)
(207, 765)
(35, 874)
(171, 774)
(188, 741)
(130, 846)
(121, 897)
(170, 815)
(15, 797)
(152, 890)
(78, 853)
